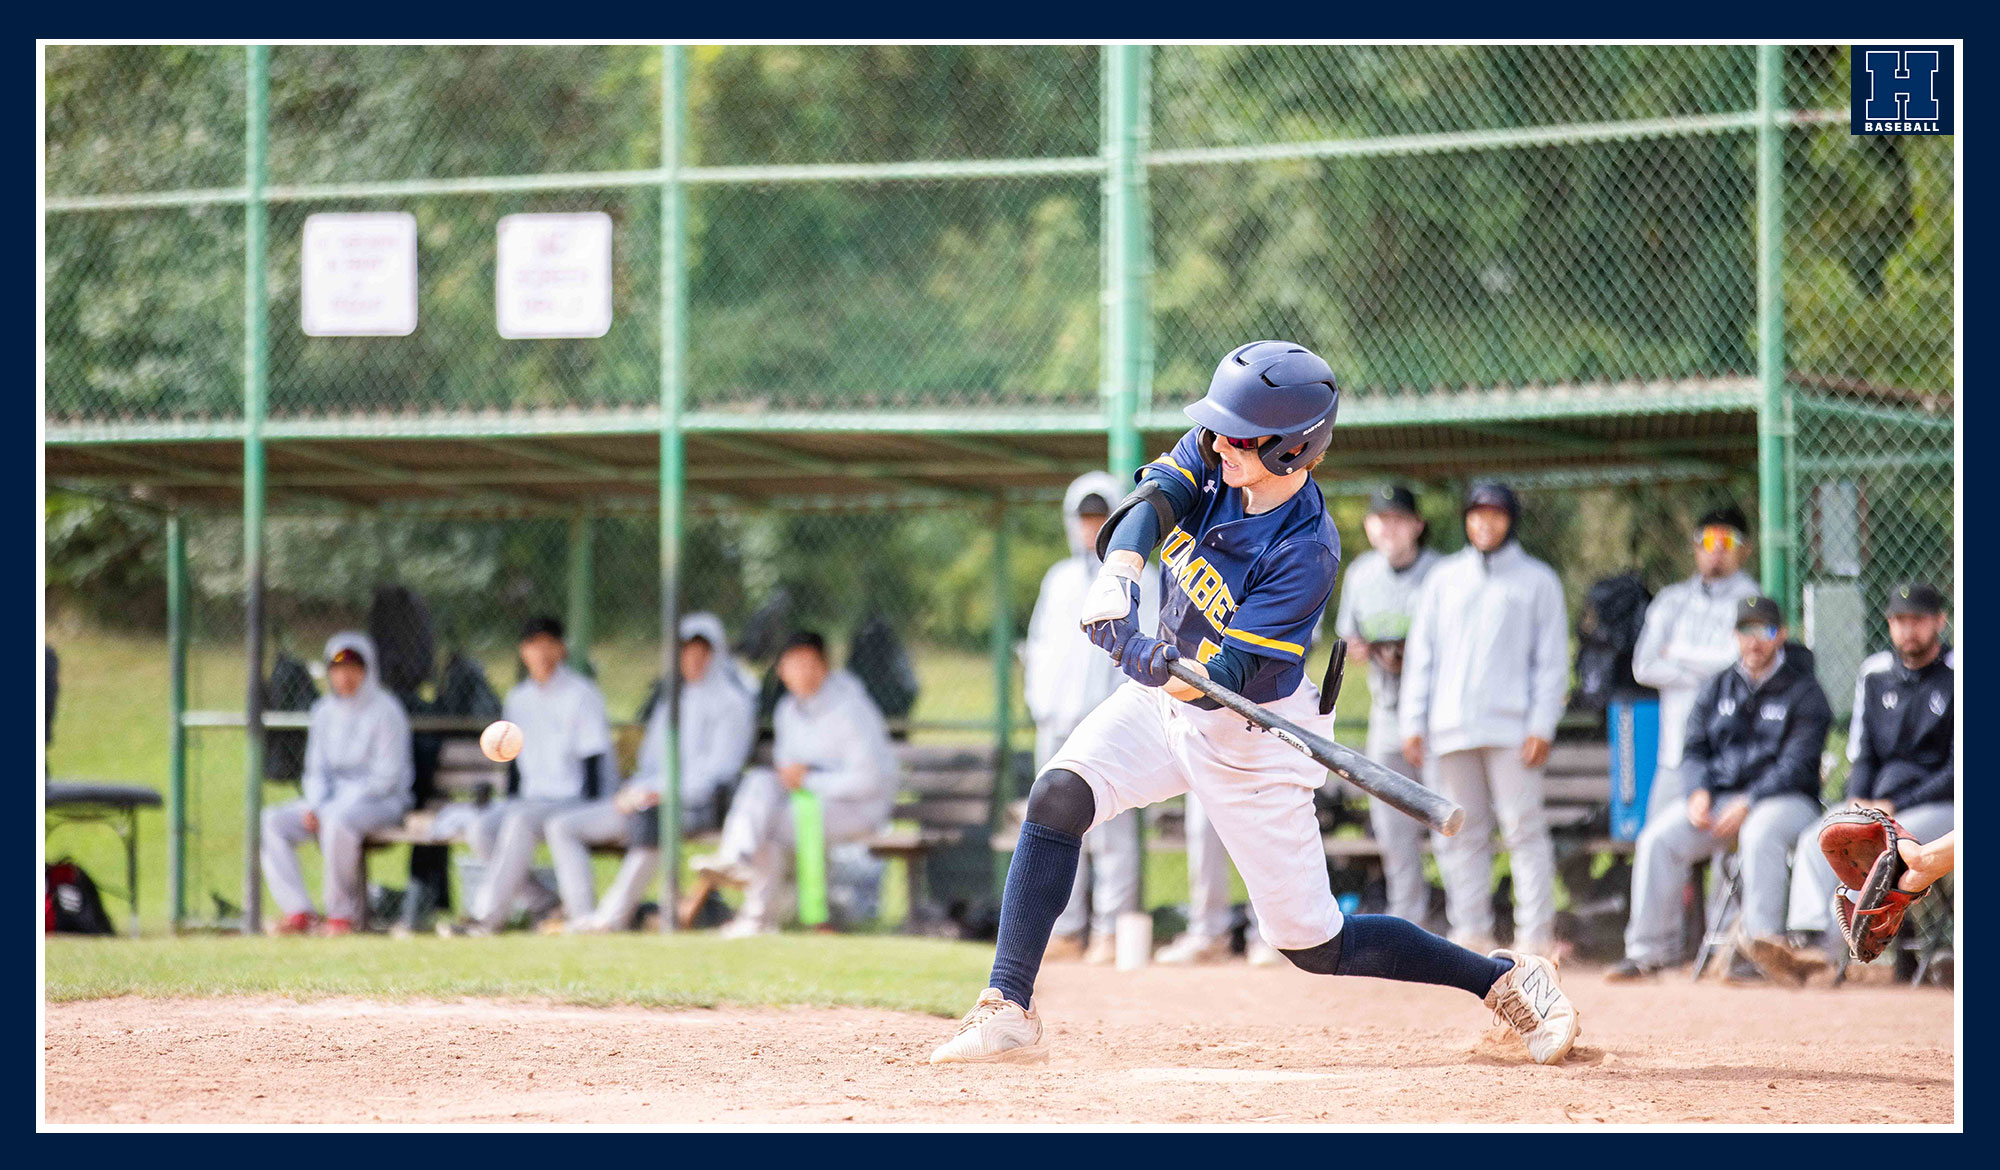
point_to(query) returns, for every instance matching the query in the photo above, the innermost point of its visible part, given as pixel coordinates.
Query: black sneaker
(1632, 971)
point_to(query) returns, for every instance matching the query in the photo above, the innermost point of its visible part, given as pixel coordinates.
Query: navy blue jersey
(1257, 582)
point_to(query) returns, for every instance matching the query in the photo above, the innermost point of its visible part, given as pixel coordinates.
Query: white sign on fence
(554, 275)
(358, 275)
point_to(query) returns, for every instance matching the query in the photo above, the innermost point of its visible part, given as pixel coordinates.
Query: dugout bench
(938, 827)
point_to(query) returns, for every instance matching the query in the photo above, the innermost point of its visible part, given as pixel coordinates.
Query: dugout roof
(571, 460)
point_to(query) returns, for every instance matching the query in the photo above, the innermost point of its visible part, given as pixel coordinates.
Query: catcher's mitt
(1860, 845)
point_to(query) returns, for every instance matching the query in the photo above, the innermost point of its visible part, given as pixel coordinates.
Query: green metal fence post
(581, 573)
(256, 346)
(1003, 686)
(673, 455)
(1126, 270)
(1126, 267)
(1776, 523)
(177, 656)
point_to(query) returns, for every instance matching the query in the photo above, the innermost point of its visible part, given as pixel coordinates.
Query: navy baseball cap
(1394, 497)
(1758, 611)
(1915, 597)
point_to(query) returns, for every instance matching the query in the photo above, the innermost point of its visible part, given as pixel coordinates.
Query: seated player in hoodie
(565, 763)
(832, 741)
(718, 726)
(357, 779)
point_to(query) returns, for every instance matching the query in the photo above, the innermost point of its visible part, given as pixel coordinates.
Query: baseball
(501, 741)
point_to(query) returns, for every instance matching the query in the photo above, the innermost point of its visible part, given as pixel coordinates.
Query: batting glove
(1109, 609)
(1144, 660)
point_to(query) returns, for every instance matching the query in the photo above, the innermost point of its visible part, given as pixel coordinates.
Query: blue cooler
(1635, 753)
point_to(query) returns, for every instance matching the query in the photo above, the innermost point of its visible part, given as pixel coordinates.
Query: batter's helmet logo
(1902, 89)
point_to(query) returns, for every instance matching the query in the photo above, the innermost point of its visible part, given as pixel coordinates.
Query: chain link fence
(1467, 233)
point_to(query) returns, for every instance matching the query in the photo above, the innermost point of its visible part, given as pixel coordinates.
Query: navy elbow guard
(1148, 494)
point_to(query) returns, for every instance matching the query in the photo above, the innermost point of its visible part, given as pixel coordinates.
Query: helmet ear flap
(1208, 454)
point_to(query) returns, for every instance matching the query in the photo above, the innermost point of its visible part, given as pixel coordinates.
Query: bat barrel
(1406, 795)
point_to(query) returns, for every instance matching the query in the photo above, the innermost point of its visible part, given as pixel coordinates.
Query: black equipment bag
(1614, 611)
(70, 903)
(400, 623)
(290, 688)
(879, 659)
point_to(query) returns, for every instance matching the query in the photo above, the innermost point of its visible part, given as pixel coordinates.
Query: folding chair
(1718, 936)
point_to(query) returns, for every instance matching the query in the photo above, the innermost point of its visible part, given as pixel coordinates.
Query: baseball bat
(1402, 793)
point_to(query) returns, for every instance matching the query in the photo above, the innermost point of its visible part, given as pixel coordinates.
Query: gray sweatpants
(1497, 791)
(504, 838)
(758, 834)
(1107, 871)
(1669, 846)
(343, 823)
(1399, 836)
(571, 836)
(1813, 881)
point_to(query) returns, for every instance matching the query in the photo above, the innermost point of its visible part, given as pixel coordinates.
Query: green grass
(901, 974)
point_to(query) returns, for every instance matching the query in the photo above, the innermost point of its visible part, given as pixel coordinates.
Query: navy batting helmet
(1271, 388)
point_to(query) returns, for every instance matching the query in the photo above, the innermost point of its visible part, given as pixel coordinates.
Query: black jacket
(1763, 741)
(1900, 740)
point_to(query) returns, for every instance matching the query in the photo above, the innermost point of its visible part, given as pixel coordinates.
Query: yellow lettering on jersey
(1174, 553)
(1221, 609)
(1190, 573)
(1206, 651)
(1203, 593)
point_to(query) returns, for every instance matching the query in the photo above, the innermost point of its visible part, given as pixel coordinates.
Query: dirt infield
(1209, 1046)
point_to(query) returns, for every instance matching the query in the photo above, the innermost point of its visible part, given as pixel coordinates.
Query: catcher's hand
(1861, 846)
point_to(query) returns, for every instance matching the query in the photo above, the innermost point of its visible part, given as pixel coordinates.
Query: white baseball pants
(758, 834)
(343, 823)
(1141, 747)
(505, 837)
(1496, 790)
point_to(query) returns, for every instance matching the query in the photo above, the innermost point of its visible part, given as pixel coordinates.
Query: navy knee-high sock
(1382, 946)
(1038, 885)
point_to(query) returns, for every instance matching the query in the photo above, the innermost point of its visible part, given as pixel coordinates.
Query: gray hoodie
(718, 723)
(358, 746)
(840, 736)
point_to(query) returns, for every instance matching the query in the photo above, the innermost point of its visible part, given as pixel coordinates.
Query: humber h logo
(1903, 89)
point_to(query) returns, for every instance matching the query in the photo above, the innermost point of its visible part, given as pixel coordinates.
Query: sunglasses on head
(1715, 539)
(1245, 444)
(1761, 633)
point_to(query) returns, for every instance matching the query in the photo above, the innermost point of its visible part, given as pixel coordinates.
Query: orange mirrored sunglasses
(1716, 538)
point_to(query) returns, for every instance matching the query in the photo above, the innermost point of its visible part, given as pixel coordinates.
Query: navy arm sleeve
(1177, 474)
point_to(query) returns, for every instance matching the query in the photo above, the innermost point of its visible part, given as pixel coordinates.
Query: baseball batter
(1249, 561)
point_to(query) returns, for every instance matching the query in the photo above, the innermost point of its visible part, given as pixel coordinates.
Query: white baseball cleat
(1531, 1001)
(996, 1031)
(1191, 949)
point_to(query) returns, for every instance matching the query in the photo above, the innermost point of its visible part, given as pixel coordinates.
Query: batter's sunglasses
(1718, 539)
(1246, 444)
